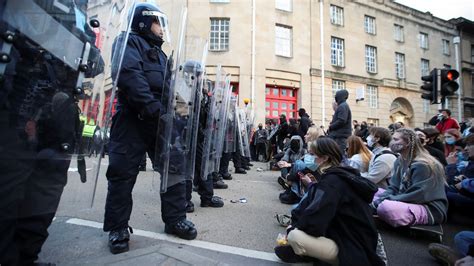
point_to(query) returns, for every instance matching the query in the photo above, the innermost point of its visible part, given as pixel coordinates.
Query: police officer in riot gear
(144, 80)
(39, 121)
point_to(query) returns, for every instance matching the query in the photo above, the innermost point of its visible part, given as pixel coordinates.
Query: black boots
(118, 240)
(227, 176)
(183, 229)
(189, 207)
(240, 171)
(215, 202)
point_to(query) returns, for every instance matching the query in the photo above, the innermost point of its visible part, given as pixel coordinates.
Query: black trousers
(124, 160)
(224, 163)
(262, 150)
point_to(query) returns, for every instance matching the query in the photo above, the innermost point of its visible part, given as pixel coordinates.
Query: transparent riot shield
(243, 135)
(222, 122)
(176, 138)
(57, 81)
(215, 125)
(230, 137)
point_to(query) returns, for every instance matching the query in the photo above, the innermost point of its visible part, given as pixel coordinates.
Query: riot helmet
(144, 15)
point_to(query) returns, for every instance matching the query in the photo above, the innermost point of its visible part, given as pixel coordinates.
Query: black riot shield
(55, 90)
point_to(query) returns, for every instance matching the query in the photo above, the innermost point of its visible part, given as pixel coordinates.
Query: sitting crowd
(402, 177)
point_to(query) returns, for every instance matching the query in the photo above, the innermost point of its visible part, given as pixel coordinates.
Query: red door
(280, 100)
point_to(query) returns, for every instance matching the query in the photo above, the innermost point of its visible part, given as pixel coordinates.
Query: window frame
(425, 67)
(370, 25)
(290, 40)
(222, 46)
(282, 8)
(368, 59)
(424, 40)
(337, 85)
(399, 33)
(336, 15)
(372, 96)
(446, 47)
(400, 66)
(337, 53)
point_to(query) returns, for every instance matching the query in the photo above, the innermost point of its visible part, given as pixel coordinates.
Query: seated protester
(432, 138)
(381, 163)
(416, 193)
(292, 154)
(439, 155)
(450, 137)
(460, 191)
(333, 223)
(313, 133)
(358, 154)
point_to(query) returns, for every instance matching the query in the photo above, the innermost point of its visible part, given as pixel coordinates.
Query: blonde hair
(418, 153)
(314, 132)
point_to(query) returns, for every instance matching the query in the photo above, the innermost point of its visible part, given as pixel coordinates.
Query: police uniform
(39, 118)
(144, 79)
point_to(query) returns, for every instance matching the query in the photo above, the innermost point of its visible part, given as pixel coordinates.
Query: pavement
(241, 233)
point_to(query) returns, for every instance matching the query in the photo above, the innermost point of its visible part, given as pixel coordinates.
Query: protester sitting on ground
(416, 193)
(359, 155)
(464, 242)
(460, 190)
(381, 163)
(312, 134)
(333, 223)
(292, 154)
(432, 139)
(450, 137)
(439, 155)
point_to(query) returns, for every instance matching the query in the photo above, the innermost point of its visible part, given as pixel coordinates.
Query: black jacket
(341, 124)
(337, 207)
(305, 123)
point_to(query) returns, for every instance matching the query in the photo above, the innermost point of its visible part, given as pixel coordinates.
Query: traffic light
(430, 88)
(448, 82)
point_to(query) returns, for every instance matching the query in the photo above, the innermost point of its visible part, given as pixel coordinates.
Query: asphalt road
(249, 225)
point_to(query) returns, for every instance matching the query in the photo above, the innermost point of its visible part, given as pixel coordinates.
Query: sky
(442, 8)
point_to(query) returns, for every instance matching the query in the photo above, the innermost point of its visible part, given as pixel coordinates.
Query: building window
(369, 24)
(284, 5)
(283, 40)
(337, 85)
(426, 106)
(372, 122)
(219, 1)
(219, 35)
(372, 96)
(400, 65)
(371, 59)
(446, 47)
(398, 33)
(337, 15)
(446, 66)
(423, 40)
(337, 52)
(425, 67)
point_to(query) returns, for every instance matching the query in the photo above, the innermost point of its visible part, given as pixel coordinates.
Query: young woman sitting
(416, 193)
(359, 155)
(333, 222)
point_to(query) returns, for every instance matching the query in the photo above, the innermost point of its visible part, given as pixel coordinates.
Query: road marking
(194, 243)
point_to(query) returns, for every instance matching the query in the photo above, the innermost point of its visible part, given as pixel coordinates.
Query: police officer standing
(144, 80)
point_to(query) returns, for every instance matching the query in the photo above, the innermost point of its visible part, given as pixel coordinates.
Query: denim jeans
(463, 240)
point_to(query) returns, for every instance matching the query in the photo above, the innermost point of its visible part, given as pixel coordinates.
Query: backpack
(385, 152)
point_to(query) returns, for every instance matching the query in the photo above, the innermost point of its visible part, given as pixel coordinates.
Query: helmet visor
(162, 19)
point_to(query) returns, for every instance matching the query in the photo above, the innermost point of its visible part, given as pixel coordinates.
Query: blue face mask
(450, 141)
(460, 156)
(310, 162)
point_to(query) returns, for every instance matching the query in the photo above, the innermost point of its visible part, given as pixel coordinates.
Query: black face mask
(295, 146)
(260, 127)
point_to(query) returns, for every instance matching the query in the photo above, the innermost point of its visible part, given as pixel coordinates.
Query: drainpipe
(323, 102)
(252, 77)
